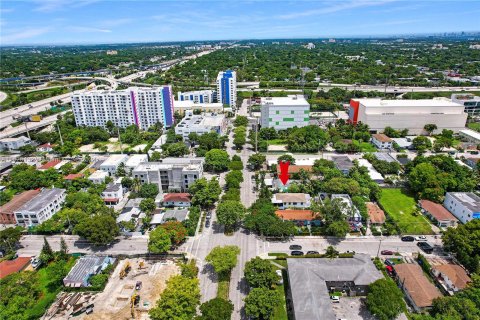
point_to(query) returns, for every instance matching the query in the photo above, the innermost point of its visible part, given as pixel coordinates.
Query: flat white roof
(99, 174)
(408, 103)
(471, 133)
(374, 174)
(291, 100)
(114, 159)
(136, 159)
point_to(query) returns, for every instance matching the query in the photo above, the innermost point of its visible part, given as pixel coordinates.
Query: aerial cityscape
(246, 160)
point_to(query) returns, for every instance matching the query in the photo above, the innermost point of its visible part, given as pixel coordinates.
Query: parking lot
(352, 308)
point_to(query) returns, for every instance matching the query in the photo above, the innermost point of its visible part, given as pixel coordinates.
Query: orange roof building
(452, 276)
(439, 213)
(376, 215)
(73, 176)
(296, 168)
(8, 267)
(295, 215)
(50, 164)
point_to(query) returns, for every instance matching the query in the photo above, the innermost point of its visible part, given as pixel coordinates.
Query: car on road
(387, 252)
(408, 238)
(296, 253)
(207, 223)
(312, 252)
(421, 238)
(295, 247)
(138, 285)
(35, 262)
(425, 246)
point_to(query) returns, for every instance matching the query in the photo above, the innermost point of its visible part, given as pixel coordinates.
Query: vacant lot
(401, 207)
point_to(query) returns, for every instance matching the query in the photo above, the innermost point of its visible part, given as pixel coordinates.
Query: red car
(387, 252)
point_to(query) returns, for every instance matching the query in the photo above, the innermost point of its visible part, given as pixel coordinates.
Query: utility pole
(60, 134)
(28, 133)
(256, 136)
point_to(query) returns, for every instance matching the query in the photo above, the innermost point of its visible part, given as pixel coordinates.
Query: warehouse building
(408, 114)
(284, 112)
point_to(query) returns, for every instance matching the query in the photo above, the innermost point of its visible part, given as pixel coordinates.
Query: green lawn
(474, 126)
(277, 142)
(223, 286)
(367, 147)
(280, 312)
(400, 207)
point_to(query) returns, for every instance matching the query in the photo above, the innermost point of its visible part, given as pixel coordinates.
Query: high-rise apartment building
(201, 96)
(227, 88)
(143, 107)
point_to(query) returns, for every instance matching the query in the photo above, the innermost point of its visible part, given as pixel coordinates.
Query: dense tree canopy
(216, 160)
(385, 299)
(464, 242)
(260, 273)
(223, 259)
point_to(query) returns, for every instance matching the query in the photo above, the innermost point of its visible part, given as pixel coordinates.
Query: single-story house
(291, 200)
(50, 164)
(8, 267)
(46, 147)
(438, 213)
(343, 163)
(84, 268)
(372, 172)
(128, 214)
(420, 292)
(73, 176)
(299, 217)
(375, 214)
(451, 276)
(403, 143)
(174, 200)
(381, 141)
(383, 156)
(162, 217)
(293, 168)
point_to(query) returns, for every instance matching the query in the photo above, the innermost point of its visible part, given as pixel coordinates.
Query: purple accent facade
(167, 105)
(134, 107)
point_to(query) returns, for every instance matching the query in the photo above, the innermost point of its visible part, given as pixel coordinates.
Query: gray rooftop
(467, 199)
(85, 266)
(308, 277)
(113, 187)
(180, 215)
(41, 200)
(382, 156)
(343, 163)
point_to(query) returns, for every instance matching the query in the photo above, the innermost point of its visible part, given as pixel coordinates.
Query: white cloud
(88, 29)
(55, 5)
(14, 37)
(338, 6)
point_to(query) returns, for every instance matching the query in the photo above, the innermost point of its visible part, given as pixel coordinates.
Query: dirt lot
(112, 146)
(114, 301)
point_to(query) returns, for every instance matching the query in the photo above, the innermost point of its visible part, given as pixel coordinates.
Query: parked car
(313, 252)
(387, 252)
(295, 247)
(425, 246)
(335, 299)
(421, 238)
(35, 262)
(408, 238)
(89, 309)
(389, 263)
(138, 285)
(296, 253)
(207, 223)
(209, 214)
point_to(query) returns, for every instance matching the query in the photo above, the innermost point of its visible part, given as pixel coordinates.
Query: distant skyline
(98, 21)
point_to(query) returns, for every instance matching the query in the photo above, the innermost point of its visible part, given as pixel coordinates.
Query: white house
(8, 144)
(381, 141)
(175, 200)
(463, 205)
(291, 200)
(111, 164)
(98, 177)
(112, 194)
(134, 161)
(41, 208)
(451, 276)
(374, 174)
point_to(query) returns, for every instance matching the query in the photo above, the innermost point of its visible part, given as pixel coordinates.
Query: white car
(335, 299)
(421, 238)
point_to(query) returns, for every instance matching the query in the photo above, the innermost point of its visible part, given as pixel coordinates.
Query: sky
(100, 21)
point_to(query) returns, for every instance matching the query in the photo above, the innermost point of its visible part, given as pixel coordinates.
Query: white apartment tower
(227, 88)
(284, 112)
(143, 107)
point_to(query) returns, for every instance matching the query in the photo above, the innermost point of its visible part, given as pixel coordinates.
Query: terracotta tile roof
(46, 145)
(455, 273)
(381, 137)
(110, 199)
(11, 266)
(437, 210)
(296, 168)
(176, 197)
(50, 164)
(290, 197)
(375, 213)
(73, 176)
(295, 214)
(416, 284)
(18, 200)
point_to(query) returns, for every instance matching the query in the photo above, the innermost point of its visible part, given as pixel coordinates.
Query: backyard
(401, 207)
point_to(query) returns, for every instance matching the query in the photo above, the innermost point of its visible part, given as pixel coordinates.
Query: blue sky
(98, 21)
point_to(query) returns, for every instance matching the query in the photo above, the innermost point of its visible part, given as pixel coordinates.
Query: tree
(27, 149)
(240, 121)
(178, 149)
(421, 143)
(338, 228)
(156, 156)
(46, 255)
(159, 241)
(63, 253)
(100, 229)
(385, 299)
(223, 259)
(463, 242)
(430, 127)
(229, 213)
(148, 190)
(260, 303)
(216, 160)
(233, 179)
(176, 230)
(147, 205)
(256, 161)
(9, 237)
(285, 158)
(331, 252)
(121, 170)
(127, 182)
(216, 309)
(260, 273)
(178, 301)
(189, 269)
(205, 193)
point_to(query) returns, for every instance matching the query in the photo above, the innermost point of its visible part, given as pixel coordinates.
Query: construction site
(132, 290)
